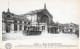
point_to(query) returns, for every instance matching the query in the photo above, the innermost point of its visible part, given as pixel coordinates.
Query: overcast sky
(62, 11)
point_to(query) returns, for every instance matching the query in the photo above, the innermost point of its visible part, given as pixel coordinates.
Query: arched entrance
(45, 19)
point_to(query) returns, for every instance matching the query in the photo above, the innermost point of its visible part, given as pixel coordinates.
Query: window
(43, 27)
(24, 27)
(15, 21)
(15, 27)
(8, 16)
(25, 22)
(20, 21)
(45, 19)
(28, 22)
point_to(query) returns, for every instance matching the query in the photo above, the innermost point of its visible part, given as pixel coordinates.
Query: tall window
(25, 27)
(20, 21)
(15, 27)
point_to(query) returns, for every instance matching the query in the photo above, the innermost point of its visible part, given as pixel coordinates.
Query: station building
(13, 23)
(17, 23)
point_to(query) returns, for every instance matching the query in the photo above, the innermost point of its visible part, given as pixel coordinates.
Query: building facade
(68, 28)
(13, 23)
(17, 23)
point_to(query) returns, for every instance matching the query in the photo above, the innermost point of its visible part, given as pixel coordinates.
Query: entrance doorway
(7, 28)
(43, 28)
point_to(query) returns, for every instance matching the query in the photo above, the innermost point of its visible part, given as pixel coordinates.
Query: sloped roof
(69, 25)
(38, 11)
(5, 13)
(20, 17)
(34, 12)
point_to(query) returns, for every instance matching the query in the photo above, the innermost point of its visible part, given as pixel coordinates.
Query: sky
(63, 11)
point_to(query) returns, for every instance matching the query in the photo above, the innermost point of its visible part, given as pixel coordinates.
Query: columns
(17, 26)
(46, 28)
(12, 28)
(40, 28)
(22, 25)
(3, 27)
(73, 30)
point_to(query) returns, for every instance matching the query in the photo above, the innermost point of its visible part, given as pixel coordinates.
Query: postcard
(39, 24)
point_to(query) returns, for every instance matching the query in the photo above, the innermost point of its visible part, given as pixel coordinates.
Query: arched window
(45, 19)
(8, 16)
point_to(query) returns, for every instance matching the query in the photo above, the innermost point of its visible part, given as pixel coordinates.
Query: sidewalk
(20, 36)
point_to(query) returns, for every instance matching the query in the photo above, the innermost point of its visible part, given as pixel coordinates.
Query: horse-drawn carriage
(32, 30)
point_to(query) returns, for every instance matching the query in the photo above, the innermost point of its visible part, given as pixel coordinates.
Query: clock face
(8, 46)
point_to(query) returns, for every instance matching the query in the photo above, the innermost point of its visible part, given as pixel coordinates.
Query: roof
(38, 11)
(20, 17)
(34, 12)
(5, 13)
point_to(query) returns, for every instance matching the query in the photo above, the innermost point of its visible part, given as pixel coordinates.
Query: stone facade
(18, 23)
(68, 28)
(13, 23)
